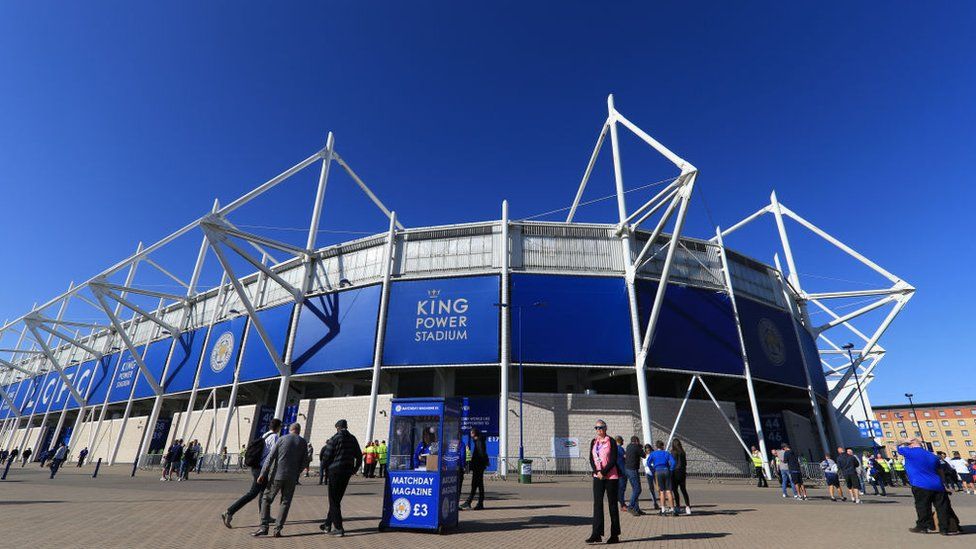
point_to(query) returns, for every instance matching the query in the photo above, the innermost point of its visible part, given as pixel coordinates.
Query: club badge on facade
(220, 355)
(772, 342)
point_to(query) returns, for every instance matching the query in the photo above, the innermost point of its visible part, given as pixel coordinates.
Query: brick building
(948, 426)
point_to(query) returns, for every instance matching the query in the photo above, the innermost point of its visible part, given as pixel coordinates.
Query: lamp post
(921, 433)
(519, 316)
(860, 394)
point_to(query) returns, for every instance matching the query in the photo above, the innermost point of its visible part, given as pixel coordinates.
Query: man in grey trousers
(281, 470)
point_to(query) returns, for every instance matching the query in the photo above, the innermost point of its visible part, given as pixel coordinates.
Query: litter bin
(525, 471)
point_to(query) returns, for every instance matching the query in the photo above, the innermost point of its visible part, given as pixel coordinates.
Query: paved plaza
(116, 511)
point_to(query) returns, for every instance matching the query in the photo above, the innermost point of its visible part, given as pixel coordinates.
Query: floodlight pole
(505, 359)
(381, 329)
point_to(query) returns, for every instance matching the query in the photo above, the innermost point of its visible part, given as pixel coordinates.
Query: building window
(911, 414)
(948, 433)
(884, 416)
(957, 412)
(972, 453)
(969, 443)
(926, 414)
(942, 413)
(918, 433)
(936, 443)
(962, 422)
(973, 412)
(933, 434)
(888, 434)
(902, 434)
(945, 422)
(914, 424)
(901, 423)
(965, 433)
(929, 424)
(952, 443)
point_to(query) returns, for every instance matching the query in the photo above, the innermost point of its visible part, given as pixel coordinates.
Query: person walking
(384, 457)
(961, 467)
(783, 469)
(12, 457)
(342, 459)
(829, 468)
(26, 457)
(649, 473)
(170, 460)
(928, 490)
(255, 456)
(876, 474)
(662, 464)
(309, 456)
(847, 466)
(606, 478)
(621, 467)
(44, 456)
(188, 461)
(794, 471)
(280, 473)
(59, 456)
(679, 477)
(477, 466)
(82, 455)
(240, 457)
(633, 455)
(757, 466)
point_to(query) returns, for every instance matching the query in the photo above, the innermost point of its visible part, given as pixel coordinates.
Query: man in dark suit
(281, 470)
(479, 462)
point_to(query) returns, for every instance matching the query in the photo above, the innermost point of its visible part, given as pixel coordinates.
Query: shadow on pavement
(673, 537)
(543, 521)
(30, 502)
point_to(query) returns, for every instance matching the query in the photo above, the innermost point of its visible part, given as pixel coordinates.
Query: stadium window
(957, 412)
(952, 443)
(929, 424)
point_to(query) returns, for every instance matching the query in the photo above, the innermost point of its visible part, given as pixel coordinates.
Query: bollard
(134, 465)
(97, 465)
(5, 469)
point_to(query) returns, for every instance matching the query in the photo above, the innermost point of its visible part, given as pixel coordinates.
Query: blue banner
(125, 377)
(80, 380)
(183, 365)
(256, 363)
(414, 496)
(336, 331)
(695, 330)
(101, 379)
(62, 394)
(220, 354)
(481, 413)
(265, 415)
(12, 391)
(809, 349)
(774, 352)
(160, 433)
(571, 320)
(443, 321)
(31, 392)
(155, 360)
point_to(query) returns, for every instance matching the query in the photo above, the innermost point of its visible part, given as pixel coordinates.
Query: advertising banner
(571, 320)
(155, 360)
(81, 380)
(695, 331)
(565, 447)
(414, 496)
(62, 394)
(443, 321)
(31, 393)
(186, 357)
(125, 377)
(336, 331)
(221, 352)
(774, 352)
(101, 379)
(482, 413)
(12, 392)
(256, 363)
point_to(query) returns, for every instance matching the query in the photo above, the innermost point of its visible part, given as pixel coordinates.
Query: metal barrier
(207, 463)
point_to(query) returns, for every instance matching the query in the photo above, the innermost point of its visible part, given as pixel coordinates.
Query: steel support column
(374, 388)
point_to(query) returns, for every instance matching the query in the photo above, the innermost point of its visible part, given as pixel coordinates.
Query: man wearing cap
(341, 458)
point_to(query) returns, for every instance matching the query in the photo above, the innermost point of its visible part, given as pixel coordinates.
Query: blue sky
(121, 123)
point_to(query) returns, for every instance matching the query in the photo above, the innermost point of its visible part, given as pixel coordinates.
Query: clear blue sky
(120, 123)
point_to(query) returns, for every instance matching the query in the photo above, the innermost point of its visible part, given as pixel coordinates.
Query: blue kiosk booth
(424, 457)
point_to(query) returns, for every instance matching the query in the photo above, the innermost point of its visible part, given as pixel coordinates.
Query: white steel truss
(842, 390)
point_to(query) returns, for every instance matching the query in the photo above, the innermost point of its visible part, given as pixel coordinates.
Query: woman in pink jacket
(606, 479)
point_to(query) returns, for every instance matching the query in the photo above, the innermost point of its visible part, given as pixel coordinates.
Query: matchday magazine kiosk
(424, 455)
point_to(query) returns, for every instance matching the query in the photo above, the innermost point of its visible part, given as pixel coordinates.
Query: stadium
(540, 326)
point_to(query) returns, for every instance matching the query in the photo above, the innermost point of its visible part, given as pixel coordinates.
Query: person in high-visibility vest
(369, 460)
(757, 464)
(885, 470)
(383, 454)
(899, 467)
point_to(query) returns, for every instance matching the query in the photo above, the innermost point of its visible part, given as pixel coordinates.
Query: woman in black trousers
(606, 482)
(679, 477)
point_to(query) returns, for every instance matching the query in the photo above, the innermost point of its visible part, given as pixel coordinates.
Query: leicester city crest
(772, 342)
(220, 355)
(401, 508)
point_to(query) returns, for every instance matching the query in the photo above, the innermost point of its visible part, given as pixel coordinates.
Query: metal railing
(206, 463)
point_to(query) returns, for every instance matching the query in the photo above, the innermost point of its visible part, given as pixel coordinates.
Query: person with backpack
(342, 459)
(255, 456)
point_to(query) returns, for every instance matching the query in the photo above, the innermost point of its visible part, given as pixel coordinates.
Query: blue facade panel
(155, 360)
(61, 393)
(125, 377)
(774, 352)
(571, 320)
(12, 392)
(337, 331)
(443, 321)
(186, 357)
(695, 331)
(256, 363)
(809, 346)
(220, 354)
(102, 378)
(80, 381)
